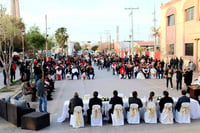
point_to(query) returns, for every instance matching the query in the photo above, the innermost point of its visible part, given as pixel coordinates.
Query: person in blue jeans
(42, 94)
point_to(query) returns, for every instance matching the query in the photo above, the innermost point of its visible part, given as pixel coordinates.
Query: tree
(61, 37)
(95, 47)
(35, 38)
(77, 46)
(8, 30)
(50, 42)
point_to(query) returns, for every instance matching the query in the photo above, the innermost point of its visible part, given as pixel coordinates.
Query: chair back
(96, 111)
(185, 108)
(118, 110)
(133, 109)
(151, 108)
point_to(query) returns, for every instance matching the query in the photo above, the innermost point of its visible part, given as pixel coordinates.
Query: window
(171, 20)
(189, 14)
(189, 49)
(171, 49)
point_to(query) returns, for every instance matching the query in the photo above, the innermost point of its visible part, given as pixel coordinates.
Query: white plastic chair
(76, 119)
(150, 113)
(133, 115)
(184, 115)
(68, 76)
(166, 117)
(117, 116)
(96, 116)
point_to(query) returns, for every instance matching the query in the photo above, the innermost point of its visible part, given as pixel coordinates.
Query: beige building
(180, 30)
(15, 11)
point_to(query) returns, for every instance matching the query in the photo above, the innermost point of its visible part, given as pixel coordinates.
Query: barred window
(189, 14)
(171, 20)
(189, 49)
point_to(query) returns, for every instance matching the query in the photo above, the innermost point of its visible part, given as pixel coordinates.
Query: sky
(90, 20)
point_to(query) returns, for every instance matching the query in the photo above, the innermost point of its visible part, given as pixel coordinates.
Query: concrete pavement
(105, 83)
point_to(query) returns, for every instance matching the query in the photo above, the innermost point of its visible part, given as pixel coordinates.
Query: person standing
(188, 78)
(169, 75)
(42, 94)
(179, 76)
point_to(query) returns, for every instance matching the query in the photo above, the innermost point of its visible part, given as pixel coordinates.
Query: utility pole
(154, 29)
(107, 37)
(131, 25)
(46, 38)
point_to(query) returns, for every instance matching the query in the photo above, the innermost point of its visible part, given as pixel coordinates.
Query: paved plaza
(105, 83)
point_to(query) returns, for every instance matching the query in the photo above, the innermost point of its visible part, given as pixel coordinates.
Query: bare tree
(8, 30)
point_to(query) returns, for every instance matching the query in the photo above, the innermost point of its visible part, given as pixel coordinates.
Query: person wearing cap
(75, 101)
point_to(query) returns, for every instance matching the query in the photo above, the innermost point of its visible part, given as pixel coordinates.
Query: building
(15, 11)
(180, 30)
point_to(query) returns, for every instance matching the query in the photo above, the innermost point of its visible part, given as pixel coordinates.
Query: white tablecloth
(194, 108)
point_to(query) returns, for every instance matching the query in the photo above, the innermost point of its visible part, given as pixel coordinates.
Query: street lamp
(23, 32)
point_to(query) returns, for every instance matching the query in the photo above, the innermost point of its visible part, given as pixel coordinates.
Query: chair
(133, 115)
(166, 117)
(96, 116)
(183, 116)
(68, 76)
(117, 116)
(76, 120)
(150, 113)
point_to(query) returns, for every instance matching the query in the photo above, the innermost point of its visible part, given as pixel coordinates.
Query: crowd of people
(77, 101)
(145, 67)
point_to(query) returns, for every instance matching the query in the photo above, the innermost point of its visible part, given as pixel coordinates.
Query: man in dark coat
(179, 76)
(134, 99)
(182, 99)
(113, 101)
(93, 101)
(165, 99)
(75, 101)
(188, 78)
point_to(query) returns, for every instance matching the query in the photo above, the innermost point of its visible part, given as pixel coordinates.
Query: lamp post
(23, 32)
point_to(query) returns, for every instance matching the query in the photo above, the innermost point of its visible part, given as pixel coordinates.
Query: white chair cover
(68, 76)
(83, 76)
(133, 115)
(166, 117)
(150, 113)
(96, 116)
(117, 116)
(76, 120)
(184, 115)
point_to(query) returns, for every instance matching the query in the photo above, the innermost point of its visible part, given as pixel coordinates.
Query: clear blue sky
(86, 20)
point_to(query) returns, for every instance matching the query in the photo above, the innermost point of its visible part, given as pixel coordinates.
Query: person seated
(26, 91)
(122, 72)
(113, 101)
(134, 99)
(165, 99)
(90, 71)
(75, 101)
(182, 99)
(145, 70)
(93, 101)
(75, 72)
(160, 72)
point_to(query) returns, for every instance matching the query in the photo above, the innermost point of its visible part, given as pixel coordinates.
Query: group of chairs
(133, 115)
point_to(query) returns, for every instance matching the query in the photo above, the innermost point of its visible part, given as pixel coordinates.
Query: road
(105, 83)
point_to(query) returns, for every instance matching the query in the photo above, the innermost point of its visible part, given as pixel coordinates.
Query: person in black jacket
(165, 99)
(135, 99)
(188, 78)
(113, 101)
(179, 76)
(75, 101)
(182, 99)
(93, 101)
(169, 75)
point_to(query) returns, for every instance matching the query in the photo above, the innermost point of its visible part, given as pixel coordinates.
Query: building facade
(180, 30)
(15, 11)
